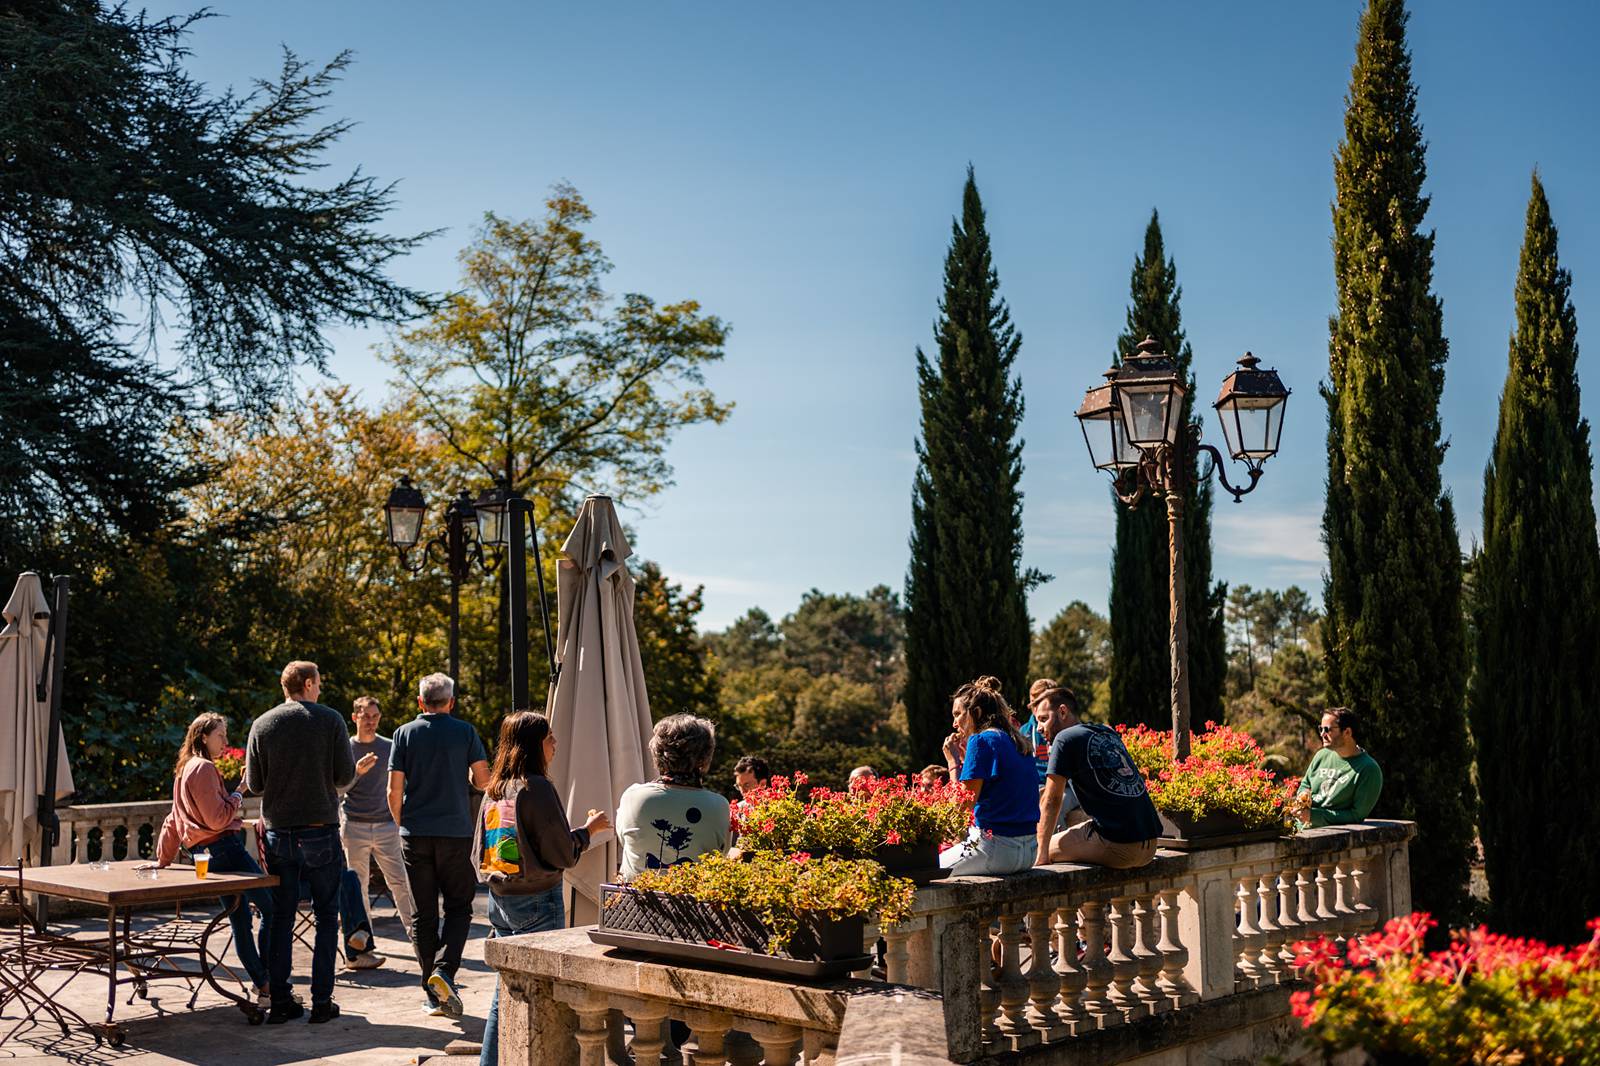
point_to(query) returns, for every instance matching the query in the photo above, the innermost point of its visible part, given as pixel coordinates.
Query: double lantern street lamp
(498, 518)
(1135, 430)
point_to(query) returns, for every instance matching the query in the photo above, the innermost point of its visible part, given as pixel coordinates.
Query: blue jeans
(510, 915)
(352, 909)
(316, 857)
(230, 856)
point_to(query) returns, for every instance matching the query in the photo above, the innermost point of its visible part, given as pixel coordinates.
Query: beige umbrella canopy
(25, 720)
(598, 706)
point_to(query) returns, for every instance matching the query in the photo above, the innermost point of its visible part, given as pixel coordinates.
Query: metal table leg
(247, 1007)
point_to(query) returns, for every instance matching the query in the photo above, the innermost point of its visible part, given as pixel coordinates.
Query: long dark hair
(988, 709)
(520, 753)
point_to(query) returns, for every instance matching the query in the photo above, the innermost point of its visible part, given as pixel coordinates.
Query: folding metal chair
(27, 956)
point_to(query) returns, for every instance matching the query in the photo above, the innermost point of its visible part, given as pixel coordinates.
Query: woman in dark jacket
(523, 843)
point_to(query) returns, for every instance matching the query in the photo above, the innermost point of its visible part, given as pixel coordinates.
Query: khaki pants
(1083, 843)
(364, 841)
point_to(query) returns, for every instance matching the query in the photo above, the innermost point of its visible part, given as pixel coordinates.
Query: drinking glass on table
(202, 863)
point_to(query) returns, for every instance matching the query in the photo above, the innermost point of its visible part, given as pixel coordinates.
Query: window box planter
(1215, 829)
(691, 930)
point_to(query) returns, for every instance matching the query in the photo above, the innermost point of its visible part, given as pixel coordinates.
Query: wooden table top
(121, 884)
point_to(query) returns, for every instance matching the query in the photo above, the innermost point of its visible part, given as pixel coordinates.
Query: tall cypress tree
(1141, 662)
(1536, 693)
(1394, 631)
(966, 612)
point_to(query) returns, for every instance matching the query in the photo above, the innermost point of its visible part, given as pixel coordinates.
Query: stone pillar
(1206, 912)
(1043, 984)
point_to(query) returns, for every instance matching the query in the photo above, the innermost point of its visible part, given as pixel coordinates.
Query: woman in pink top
(206, 816)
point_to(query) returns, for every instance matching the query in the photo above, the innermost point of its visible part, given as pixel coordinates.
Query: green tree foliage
(532, 373)
(1393, 629)
(966, 606)
(1536, 691)
(137, 208)
(1074, 649)
(677, 669)
(861, 638)
(751, 642)
(1141, 664)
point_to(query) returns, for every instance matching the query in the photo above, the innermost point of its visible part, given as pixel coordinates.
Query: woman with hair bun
(988, 755)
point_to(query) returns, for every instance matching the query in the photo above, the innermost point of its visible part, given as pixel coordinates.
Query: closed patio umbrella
(598, 707)
(25, 719)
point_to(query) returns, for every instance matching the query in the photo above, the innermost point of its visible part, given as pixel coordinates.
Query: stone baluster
(1344, 914)
(79, 832)
(1326, 925)
(1269, 962)
(1288, 924)
(1097, 971)
(1247, 936)
(1173, 982)
(1043, 984)
(1015, 1029)
(923, 969)
(648, 1017)
(897, 954)
(1074, 1020)
(1362, 920)
(710, 1035)
(1147, 958)
(592, 1029)
(989, 988)
(1124, 967)
(778, 1041)
(1306, 905)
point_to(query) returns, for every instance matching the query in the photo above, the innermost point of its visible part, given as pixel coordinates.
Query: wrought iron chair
(28, 956)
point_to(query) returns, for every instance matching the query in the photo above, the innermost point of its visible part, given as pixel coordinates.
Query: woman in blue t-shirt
(988, 755)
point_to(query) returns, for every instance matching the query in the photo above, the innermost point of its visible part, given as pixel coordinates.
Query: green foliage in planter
(1486, 998)
(778, 887)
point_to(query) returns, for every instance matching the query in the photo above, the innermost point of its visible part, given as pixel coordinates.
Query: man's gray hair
(682, 745)
(436, 690)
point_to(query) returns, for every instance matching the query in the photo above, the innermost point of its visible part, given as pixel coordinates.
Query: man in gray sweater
(298, 758)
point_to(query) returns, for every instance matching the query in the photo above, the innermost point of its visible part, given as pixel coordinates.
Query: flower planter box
(920, 862)
(690, 930)
(1219, 829)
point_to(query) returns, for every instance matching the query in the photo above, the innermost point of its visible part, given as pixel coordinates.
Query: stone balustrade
(122, 830)
(1191, 934)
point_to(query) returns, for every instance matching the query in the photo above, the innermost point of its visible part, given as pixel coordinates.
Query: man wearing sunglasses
(1343, 782)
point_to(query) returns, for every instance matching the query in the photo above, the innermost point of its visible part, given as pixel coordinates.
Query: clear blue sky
(796, 168)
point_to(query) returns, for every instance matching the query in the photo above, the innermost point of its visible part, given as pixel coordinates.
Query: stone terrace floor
(381, 1021)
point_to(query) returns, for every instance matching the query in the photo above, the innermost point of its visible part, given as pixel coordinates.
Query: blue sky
(795, 169)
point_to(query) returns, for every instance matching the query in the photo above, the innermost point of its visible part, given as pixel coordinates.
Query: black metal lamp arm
(1222, 473)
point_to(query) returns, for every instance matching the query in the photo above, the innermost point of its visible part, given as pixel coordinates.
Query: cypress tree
(1535, 695)
(1394, 630)
(1141, 662)
(966, 611)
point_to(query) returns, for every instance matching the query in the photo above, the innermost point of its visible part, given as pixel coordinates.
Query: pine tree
(966, 611)
(1394, 631)
(1536, 691)
(1141, 662)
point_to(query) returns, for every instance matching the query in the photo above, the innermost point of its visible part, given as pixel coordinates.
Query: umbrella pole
(517, 578)
(49, 825)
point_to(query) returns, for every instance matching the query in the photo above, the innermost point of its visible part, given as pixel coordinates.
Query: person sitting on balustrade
(988, 755)
(1122, 824)
(1343, 782)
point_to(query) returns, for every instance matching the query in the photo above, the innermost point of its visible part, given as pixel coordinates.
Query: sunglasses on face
(1325, 730)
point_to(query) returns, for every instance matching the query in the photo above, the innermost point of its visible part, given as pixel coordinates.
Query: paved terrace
(381, 1022)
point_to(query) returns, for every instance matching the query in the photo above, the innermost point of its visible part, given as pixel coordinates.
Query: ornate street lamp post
(1135, 430)
(458, 546)
(504, 518)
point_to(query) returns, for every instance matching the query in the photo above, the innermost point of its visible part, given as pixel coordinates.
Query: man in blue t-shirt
(432, 760)
(1122, 826)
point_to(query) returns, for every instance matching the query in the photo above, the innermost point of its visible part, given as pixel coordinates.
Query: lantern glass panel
(405, 525)
(1151, 412)
(1252, 425)
(491, 524)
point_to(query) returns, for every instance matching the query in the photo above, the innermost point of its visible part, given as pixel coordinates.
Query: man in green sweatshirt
(1342, 783)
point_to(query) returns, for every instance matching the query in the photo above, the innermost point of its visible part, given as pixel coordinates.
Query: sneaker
(359, 941)
(444, 994)
(264, 998)
(432, 1009)
(367, 960)
(323, 1012)
(285, 1012)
